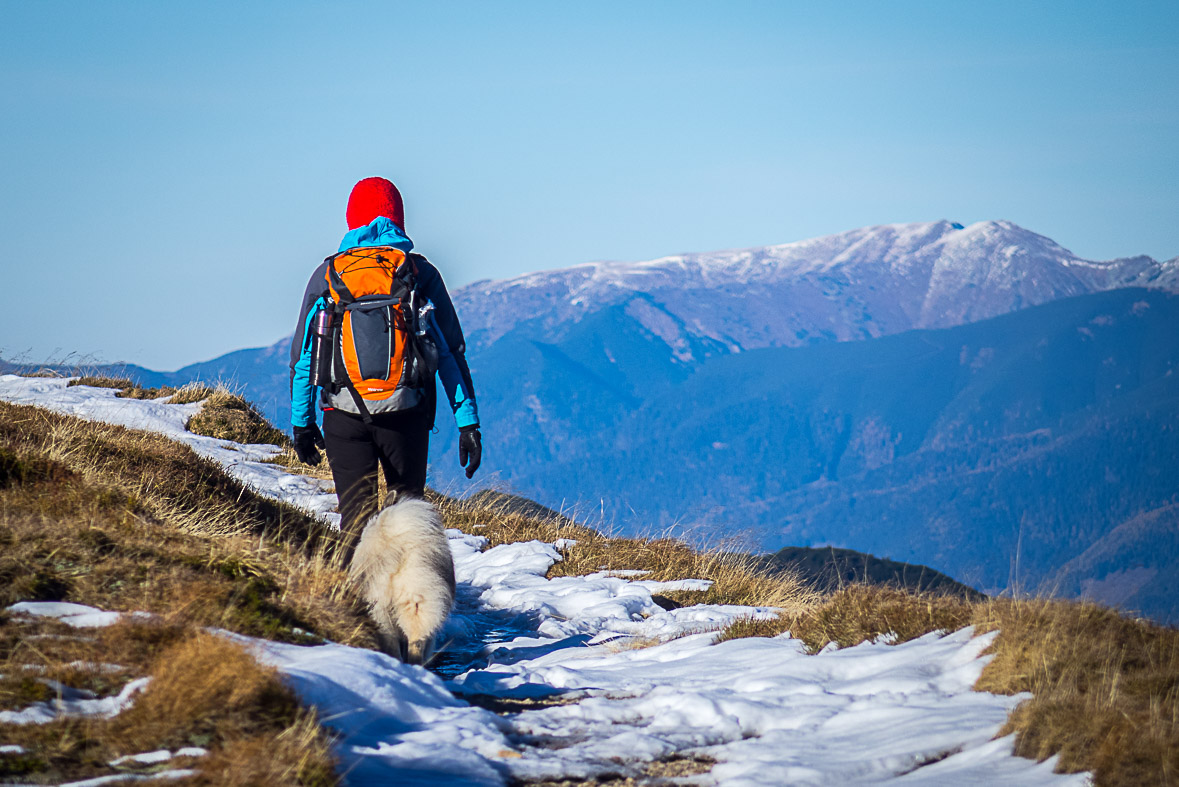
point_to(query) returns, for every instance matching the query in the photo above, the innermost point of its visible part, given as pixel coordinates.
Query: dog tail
(406, 573)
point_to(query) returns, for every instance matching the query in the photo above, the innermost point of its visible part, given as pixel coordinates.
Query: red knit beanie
(374, 197)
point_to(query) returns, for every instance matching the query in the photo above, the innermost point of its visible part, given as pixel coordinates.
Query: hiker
(375, 325)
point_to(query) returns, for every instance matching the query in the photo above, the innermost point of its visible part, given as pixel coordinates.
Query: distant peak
(1007, 231)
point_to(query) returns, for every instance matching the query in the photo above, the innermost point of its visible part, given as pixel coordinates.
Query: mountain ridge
(854, 285)
(896, 245)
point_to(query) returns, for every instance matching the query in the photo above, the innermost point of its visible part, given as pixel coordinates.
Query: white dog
(405, 572)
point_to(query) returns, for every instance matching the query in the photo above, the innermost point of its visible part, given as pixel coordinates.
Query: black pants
(398, 443)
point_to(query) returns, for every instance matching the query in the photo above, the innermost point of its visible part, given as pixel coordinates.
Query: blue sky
(173, 172)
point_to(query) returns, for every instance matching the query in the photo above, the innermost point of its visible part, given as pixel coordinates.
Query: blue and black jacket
(444, 329)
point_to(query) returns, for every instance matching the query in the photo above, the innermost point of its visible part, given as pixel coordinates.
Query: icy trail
(766, 712)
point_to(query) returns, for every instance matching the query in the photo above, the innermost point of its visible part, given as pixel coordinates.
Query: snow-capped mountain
(854, 285)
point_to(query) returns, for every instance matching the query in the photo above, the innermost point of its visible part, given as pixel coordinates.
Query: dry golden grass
(859, 613)
(228, 416)
(204, 685)
(298, 754)
(31, 651)
(287, 459)
(130, 520)
(191, 392)
(146, 393)
(1105, 687)
(102, 382)
(497, 520)
(205, 691)
(128, 389)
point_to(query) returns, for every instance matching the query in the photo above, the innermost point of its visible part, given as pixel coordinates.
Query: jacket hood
(381, 231)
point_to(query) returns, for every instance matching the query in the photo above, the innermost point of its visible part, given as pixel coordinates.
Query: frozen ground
(763, 710)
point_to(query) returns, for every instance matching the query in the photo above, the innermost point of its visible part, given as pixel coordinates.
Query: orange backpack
(375, 346)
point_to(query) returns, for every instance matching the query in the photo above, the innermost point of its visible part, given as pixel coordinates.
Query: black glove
(307, 438)
(470, 449)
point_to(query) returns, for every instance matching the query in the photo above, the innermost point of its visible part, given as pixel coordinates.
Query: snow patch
(131, 777)
(155, 757)
(76, 615)
(75, 703)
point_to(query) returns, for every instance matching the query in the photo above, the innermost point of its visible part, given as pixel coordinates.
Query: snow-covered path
(766, 712)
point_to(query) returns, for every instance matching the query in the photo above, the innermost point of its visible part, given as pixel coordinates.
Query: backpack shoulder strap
(365, 414)
(336, 286)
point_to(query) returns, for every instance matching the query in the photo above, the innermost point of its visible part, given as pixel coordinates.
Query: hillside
(587, 677)
(134, 521)
(828, 569)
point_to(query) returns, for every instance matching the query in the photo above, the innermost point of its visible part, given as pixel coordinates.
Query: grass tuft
(205, 687)
(102, 382)
(128, 389)
(298, 754)
(191, 392)
(146, 393)
(228, 416)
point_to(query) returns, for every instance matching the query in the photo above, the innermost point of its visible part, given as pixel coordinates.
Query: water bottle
(322, 348)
